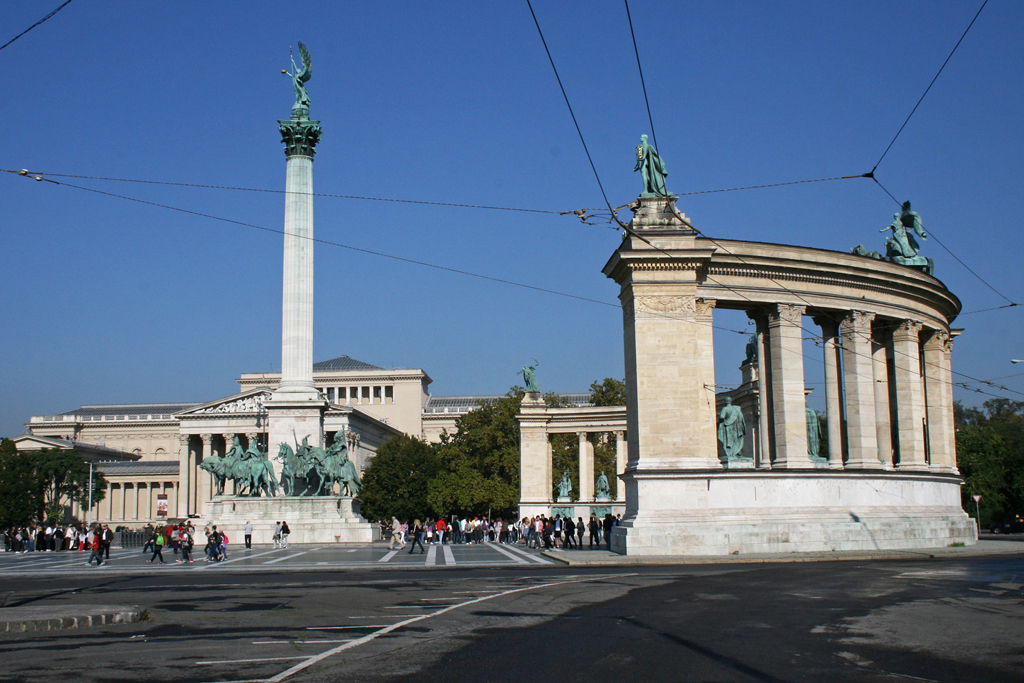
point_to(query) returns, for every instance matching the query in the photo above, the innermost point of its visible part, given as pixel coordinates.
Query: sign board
(161, 505)
(977, 498)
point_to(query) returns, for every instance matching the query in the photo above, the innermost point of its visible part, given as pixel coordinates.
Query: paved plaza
(267, 558)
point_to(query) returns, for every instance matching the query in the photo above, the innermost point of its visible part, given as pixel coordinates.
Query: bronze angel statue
(299, 78)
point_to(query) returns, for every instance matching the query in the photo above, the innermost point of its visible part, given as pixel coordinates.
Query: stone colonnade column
(765, 443)
(621, 458)
(939, 409)
(586, 467)
(909, 395)
(833, 391)
(184, 475)
(787, 378)
(535, 490)
(881, 341)
(947, 373)
(124, 513)
(859, 381)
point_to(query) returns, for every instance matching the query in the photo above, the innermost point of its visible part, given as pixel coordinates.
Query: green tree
(480, 462)
(20, 497)
(610, 392)
(62, 477)
(398, 478)
(990, 457)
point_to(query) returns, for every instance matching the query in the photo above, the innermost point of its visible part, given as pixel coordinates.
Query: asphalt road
(945, 619)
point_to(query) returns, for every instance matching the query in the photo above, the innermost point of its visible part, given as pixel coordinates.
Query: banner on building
(161, 505)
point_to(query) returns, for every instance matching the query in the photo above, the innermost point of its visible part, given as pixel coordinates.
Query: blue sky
(108, 301)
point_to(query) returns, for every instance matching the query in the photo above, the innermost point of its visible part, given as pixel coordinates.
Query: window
(389, 394)
(365, 394)
(330, 394)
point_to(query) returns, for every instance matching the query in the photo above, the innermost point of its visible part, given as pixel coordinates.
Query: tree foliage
(990, 456)
(480, 462)
(398, 478)
(609, 392)
(40, 484)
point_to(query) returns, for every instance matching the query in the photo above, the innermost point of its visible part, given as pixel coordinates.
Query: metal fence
(131, 539)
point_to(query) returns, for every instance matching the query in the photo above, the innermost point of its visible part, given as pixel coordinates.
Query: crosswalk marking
(432, 556)
(449, 556)
(387, 558)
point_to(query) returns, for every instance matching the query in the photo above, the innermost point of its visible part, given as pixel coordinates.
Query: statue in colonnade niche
(731, 429)
(601, 489)
(565, 486)
(752, 349)
(652, 168)
(813, 432)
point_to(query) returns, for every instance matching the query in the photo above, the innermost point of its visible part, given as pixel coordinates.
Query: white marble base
(687, 513)
(311, 519)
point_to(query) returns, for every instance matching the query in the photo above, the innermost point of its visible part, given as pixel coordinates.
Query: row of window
(379, 395)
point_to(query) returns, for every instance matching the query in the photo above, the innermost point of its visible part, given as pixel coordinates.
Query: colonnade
(196, 485)
(132, 501)
(888, 391)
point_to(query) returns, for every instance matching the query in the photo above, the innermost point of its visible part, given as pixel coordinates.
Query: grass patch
(958, 544)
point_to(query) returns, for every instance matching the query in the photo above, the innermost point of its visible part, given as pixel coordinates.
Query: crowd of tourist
(52, 537)
(557, 532)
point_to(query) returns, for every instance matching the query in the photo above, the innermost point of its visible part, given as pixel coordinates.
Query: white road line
(438, 599)
(534, 558)
(286, 557)
(396, 616)
(300, 642)
(406, 606)
(237, 559)
(449, 556)
(241, 661)
(354, 550)
(387, 558)
(432, 556)
(344, 628)
(506, 553)
(388, 629)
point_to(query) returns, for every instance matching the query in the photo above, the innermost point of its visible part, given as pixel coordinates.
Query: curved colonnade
(890, 478)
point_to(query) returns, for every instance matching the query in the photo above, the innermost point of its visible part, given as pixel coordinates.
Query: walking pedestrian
(158, 547)
(417, 534)
(97, 553)
(277, 534)
(396, 534)
(248, 535)
(284, 534)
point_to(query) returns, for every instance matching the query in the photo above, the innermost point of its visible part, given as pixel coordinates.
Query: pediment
(247, 403)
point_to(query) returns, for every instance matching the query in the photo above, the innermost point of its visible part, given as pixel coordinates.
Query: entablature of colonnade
(238, 413)
(589, 419)
(741, 275)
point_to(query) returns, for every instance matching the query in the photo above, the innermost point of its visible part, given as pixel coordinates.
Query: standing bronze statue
(299, 78)
(652, 168)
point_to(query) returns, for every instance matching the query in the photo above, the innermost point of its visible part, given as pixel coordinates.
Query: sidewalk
(50, 618)
(988, 545)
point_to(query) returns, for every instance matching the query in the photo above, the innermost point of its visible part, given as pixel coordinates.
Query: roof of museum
(149, 467)
(132, 409)
(343, 363)
(464, 404)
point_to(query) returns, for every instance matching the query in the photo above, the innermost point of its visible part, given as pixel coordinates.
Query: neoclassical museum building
(150, 452)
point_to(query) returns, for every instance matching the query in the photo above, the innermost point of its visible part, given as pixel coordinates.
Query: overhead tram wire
(35, 24)
(930, 85)
(343, 246)
(643, 85)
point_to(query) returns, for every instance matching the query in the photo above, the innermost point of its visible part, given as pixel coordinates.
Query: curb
(25, 619)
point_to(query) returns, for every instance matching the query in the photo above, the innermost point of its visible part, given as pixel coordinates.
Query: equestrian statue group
(307, 470)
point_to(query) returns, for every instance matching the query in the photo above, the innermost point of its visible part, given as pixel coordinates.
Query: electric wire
(35, 24)
(641, 70)
(930, 85)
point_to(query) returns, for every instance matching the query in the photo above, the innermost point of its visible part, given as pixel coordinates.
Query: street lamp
(89, 516)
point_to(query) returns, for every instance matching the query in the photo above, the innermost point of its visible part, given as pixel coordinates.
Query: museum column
(184, 474)
(621, 460)
(910, 416)
(586, 467)
(765, 439)
(789, 408)
(833, 391)
(205, 479)
(859, 382)
(940, 417)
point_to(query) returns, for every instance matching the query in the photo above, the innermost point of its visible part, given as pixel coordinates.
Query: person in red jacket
(441, 527)
(97, 549)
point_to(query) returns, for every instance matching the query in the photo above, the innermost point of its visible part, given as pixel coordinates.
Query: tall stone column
(947, 374)
(205, 479)
(295, 409)
(859, 381)
(586, 467)
(184, 474)
(124, 513)
(787, 376)
(939, 411)
(881, 341)
(535, 475)
(765, 439)
(621, 459)
(833, 391)
(910, 415)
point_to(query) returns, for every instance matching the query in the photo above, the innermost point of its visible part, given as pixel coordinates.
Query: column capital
(786, 313)
(300, 137)
(183, 439)
(207, 439)
(937, 339)
(907, 330)
(857, 321)
(582, 435)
